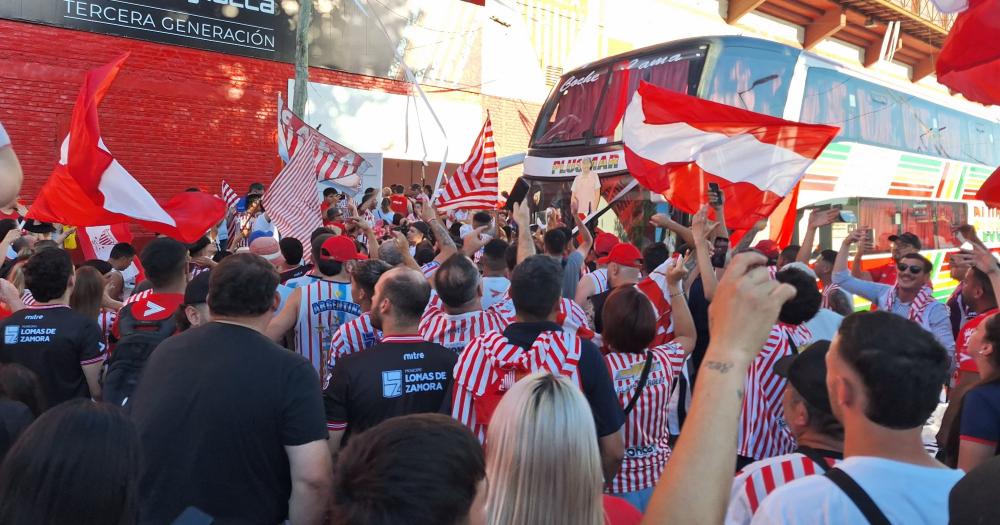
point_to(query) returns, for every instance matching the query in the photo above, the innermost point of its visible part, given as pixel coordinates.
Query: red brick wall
(175, 118)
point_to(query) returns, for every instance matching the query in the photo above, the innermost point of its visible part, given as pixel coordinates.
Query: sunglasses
(914, 269)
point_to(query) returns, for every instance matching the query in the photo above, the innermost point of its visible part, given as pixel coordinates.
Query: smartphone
(714, 194)
(847, 216)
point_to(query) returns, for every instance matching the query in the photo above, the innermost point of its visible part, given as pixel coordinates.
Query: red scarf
(492, 369)
(919, 305)
(827, 293)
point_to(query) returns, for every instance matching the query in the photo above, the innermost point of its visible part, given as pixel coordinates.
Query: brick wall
(176, 117)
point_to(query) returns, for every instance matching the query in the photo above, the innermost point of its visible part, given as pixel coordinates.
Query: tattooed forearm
(720, 366)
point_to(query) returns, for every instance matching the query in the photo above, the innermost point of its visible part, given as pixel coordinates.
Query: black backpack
(137, 341)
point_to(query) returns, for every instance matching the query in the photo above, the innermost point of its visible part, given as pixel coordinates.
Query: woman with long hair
(644, 377)
(543, 464)
(76, 464)
(979, 423)
(89, 297)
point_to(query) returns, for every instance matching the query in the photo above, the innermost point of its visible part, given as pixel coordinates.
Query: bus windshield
(589, 103)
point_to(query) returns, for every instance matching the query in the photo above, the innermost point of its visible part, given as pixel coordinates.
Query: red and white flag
(90, 188)
(334, 161)
(474, 185)
(292, 203)
(676, 145)
(229, 195)
(969, 62)
(96, 242)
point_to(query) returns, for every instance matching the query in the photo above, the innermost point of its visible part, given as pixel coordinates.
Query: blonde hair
(542, 460)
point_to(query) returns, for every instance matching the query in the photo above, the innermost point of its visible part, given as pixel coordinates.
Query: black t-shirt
(215, 407)
(298, 271)
(595, 379)
(399, 376)
(54, 342)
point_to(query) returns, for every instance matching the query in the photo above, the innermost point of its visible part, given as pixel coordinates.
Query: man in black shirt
(61, 346)
(403, 374)
(230, 422)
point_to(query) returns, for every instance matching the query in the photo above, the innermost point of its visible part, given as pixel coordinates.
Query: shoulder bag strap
(642, 382)
(815, 457)
(858, 496)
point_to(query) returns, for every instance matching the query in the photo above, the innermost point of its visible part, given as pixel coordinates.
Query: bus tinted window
(573, 115)
(669, 71)
(872, 114)
(751, 78)
(589, 106)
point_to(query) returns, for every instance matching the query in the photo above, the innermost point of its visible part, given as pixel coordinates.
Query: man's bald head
(406, 290)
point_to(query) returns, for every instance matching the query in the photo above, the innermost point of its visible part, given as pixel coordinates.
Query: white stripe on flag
(291, 202)
(740, 158)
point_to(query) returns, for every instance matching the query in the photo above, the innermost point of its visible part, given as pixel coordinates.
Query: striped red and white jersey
(758, 479)
(646, 432)
(106, 320)
(655, 289)
(352, 337)
(323, 307)
(571, 315)
(490, 365)
(763, 433)
(454, 332)
(799, 335)
(27, 298)
(138, 296)
(600, 279)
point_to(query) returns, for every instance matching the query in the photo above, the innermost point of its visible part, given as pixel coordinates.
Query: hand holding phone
(715, 198)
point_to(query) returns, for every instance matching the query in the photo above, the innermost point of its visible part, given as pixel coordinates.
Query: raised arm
(703, 251)
(750, 235)
(684, 331)
(856, 269)
(369, 233)
(662, 220)
(867, 289)
(694, 489)
(11, 175)
(403, 246)
(446, 246)
(525, 244)
(817, 219)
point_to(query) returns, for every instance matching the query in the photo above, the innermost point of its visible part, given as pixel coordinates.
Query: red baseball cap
(604, 242)
(341, 249)
(624, 254)
(769, 248)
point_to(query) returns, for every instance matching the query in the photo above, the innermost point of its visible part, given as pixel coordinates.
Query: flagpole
(413, 80)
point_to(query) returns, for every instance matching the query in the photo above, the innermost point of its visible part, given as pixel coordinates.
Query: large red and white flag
(90, 188)
(334, 161)
(96, 242)
(291, 202)
(969, 62)
(230, 196)
(474, 185)
(677, 144)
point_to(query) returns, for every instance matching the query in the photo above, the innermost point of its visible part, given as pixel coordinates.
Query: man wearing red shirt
(980, 298)
(903, 244)
(399, 204)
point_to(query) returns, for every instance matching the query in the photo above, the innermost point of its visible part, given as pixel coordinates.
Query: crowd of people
(405, 365)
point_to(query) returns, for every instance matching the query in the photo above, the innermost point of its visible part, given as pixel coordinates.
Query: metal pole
(302, 58)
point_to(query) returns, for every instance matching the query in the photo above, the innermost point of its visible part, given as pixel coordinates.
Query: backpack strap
(643, 378)
(858, 495)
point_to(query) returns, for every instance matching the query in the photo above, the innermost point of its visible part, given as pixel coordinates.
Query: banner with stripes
(229, 195)
(291, 202)
(474, 185)
(334, 162)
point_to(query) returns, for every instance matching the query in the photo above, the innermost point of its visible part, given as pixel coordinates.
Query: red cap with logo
(604, 242)
(624, 254)
(341, 249)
